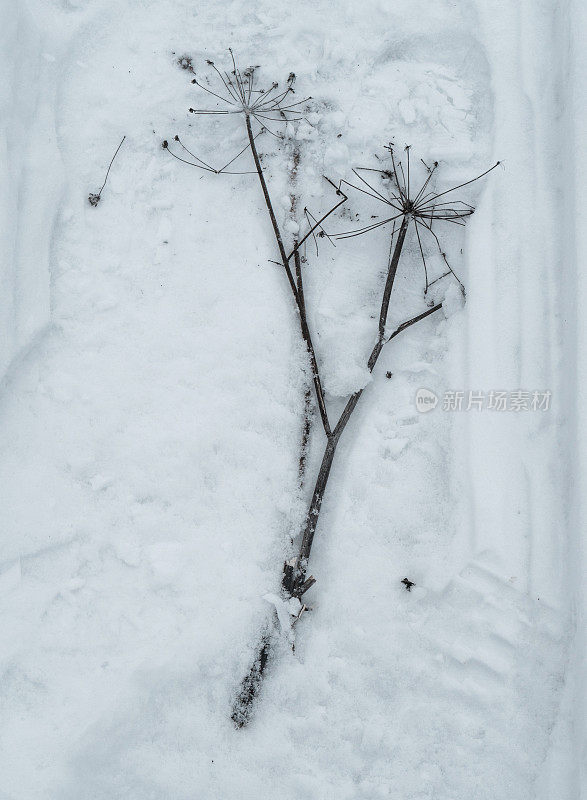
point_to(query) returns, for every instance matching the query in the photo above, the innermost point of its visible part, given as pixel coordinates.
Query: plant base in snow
(243, 704)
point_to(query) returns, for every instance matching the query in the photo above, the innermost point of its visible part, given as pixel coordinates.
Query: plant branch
(391, 278)
(292, 583)
(269, 205)
(319, 222)
(294, 288)
(307, 414)
(305, 438)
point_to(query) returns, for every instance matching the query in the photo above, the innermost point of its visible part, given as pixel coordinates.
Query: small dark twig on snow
(94, 199)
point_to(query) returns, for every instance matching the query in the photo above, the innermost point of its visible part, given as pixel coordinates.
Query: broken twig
(94, 199)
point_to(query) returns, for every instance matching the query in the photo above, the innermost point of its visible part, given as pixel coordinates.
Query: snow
(154, 383)
(287, 610)
(31, 176)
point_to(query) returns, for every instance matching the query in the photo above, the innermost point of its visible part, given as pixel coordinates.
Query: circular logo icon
(426, 400)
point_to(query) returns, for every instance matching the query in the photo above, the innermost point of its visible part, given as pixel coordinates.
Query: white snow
(150, 414)
(287, 610)
(31, 178)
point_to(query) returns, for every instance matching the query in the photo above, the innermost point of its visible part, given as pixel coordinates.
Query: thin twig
(324, 217)
(94, 199)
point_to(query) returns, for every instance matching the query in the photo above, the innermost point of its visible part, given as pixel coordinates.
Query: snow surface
(151, 412)
(31, 177)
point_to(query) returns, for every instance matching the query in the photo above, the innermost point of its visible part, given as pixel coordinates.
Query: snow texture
(31, 177)
(150, 414)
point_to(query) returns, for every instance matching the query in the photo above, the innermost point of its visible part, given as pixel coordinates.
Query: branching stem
(298, 296)
(292, 583)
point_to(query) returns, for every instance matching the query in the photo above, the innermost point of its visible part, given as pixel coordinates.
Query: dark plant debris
(95, 197)
(185, 62)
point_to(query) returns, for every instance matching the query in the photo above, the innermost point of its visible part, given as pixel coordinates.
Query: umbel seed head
(237, 92)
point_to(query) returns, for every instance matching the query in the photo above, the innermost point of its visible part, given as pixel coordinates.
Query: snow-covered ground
(150, 414)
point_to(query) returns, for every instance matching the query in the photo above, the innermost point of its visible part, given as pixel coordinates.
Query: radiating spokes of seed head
(237, 91)
(421, 204)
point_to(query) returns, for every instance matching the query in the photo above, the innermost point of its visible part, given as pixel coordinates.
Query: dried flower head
(236, 91)
(422, 207)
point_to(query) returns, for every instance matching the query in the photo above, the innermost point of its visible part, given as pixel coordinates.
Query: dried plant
(94, 199)
(421, 209)
(239, 91)
(236, 92)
